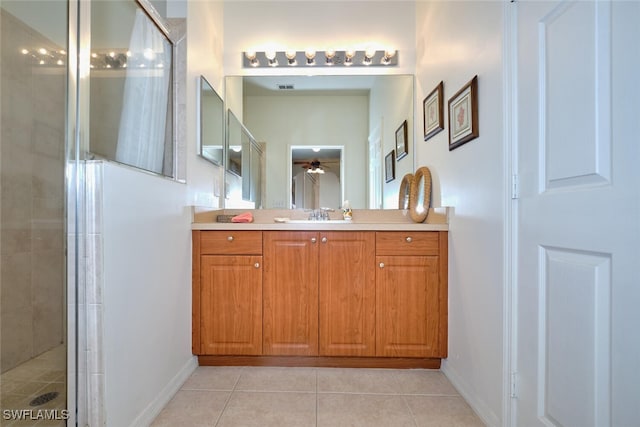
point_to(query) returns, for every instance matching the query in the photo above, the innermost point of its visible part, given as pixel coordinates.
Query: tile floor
(283, 397)
(20, 385)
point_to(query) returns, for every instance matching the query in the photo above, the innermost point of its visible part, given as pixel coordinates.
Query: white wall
(204, 53)
(455, 41)
(147, 253)
(147, 298)
(319, 24)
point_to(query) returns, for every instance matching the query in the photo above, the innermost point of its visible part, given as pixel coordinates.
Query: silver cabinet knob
(409, 239)
(313, 240)
(230, 238)
(256, 265)
(324, 240)
(382, 265)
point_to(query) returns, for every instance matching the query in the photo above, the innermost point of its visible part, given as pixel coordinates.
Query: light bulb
(251, 56)
(148, 53)
(330, 53)
(271, 57)
(348, 57)
(310, 54)
(368, 55)
(388, 54)
(291, 57)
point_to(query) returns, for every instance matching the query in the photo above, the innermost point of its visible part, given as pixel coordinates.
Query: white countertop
(363, 220)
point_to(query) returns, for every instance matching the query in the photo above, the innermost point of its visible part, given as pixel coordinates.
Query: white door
(578, 214)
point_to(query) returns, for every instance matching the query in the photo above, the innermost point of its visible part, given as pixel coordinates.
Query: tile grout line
(398, 379)
(317, 403)
(233, 390)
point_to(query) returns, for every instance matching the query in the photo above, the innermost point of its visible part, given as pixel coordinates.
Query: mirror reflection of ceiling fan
(315, 166)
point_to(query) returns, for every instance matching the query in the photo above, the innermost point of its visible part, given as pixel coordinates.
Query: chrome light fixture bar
(328, 58)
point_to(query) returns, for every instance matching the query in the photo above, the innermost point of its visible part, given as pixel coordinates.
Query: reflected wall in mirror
(211, 123)
(316, 177)
(358, 113)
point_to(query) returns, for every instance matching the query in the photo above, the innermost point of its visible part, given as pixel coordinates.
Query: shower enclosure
(61, 63)
(37, 266)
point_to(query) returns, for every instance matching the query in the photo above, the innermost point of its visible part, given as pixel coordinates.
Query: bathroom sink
(311, 221)
(318, 221)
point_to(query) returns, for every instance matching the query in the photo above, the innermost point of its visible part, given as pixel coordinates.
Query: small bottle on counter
(347, 214)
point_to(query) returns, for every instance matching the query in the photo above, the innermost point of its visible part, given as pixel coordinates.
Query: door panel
(577, 213)
(347, 294)
(231, 305)
(407, 307)
(290, 292)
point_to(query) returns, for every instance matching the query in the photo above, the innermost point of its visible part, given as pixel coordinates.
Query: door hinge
(513, 381)
(515, 187)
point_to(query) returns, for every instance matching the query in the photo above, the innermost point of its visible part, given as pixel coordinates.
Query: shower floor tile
(43, 374)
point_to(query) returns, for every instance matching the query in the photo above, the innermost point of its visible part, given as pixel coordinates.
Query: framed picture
(402, 144)
(433, 112)
(463, 115)
(389, 167)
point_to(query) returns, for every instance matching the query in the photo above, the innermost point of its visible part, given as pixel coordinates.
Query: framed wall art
(463, 115)
(433, 112)
(389, 167)
(402, 144)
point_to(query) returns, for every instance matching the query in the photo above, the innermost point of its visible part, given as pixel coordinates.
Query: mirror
(244, 163)
(404, 191)
(358, 113)
(131, 88)
(211, 123)
(420, 195)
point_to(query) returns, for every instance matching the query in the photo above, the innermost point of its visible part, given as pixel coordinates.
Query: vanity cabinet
(290, 293)
(411, 294)
(347, 293)
(319, 293)
(228, 302)
(324, 298)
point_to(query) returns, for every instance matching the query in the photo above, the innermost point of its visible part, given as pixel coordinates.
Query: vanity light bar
(329, 58)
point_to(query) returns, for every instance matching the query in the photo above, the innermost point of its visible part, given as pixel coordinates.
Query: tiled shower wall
(31, 196)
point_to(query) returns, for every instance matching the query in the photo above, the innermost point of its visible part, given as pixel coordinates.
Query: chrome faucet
(321, 214)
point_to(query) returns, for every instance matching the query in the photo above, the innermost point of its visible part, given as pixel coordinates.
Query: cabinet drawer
(231, 243)
(407, 243)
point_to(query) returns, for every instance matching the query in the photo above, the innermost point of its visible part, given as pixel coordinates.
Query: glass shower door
(33, 220)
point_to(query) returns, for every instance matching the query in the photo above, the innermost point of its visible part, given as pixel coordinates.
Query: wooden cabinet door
(290, 293)
(408, 318)
(347, 293)
(231, 305)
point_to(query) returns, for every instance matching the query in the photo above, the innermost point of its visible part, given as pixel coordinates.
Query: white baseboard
(477, 404)
(150, 413)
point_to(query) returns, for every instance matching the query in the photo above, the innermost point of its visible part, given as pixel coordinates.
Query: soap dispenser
(347, 214)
